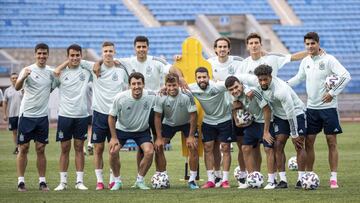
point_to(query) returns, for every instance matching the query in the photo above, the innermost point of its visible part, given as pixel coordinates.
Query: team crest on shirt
(21, 138)
(214, 92)
(321, 66)
(82, 77)
(181, 104)
(148, 70)
(115, 77)
(61, 135)
(146, 106)
(231, 70)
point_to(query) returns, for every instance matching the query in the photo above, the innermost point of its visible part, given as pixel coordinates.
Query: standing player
(179, 110)
(73, 115)
(217, 124)
(322, 104)
(11, 105)
(36, 80)
(112, 81)
(289, 119)
(253, 134)
(132, 109)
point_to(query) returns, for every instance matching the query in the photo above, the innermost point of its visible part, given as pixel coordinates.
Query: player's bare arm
(191, 141)
(20, 82)
(159, 142)
(267, 116)
(114, 145)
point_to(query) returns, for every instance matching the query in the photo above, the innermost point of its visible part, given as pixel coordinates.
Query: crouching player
(179, 110)
(253, 133)
(132, 109)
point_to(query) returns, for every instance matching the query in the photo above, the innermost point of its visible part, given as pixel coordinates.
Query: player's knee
(225, 148)
(24, 149)
(246, 148)
(208, 148)
(332, 145)
(40, 149)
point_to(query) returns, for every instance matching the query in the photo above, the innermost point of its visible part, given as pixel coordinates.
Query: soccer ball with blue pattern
(310, 181)
(255, 179)
(160, 181)
(331, 81)
(292, 164)
(244, 118)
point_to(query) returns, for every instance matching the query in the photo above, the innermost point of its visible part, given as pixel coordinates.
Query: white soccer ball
(237, 173)
(255, 179)
(244, 117)
(292, 164)
(160, 181)
(310, 181)
(331, 81)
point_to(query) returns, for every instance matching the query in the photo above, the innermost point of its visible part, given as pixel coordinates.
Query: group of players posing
(127, 104)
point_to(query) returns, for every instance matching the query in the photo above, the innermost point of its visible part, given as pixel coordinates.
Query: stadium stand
(338, 24)
(86, 22)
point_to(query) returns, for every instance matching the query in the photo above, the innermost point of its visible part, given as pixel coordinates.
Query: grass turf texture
(348, 177)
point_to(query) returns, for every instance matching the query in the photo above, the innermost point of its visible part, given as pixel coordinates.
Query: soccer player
(112, 81)
(11, 105)
(216, 125)
(132, 109)
(179, 110)
(289, 119)
(36, 80)
(253, 134)
(321, 104)
(73, 114)
(224, 65)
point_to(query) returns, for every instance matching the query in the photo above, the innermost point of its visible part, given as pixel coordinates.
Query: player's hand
(268, 138)
(298, 142)
(183, 84)
(97, 69)
(114, 145)
(5, 118)
(27, 72)
(159, 144)
(57, 72)
(327, 98)
(237, 105)
(163, 91)
(191, 142)
(177, 58)
(117, 63)
(250, 94)
(263, 52)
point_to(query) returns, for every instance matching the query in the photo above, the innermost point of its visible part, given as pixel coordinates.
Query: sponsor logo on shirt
(128, 108)
(308, 67)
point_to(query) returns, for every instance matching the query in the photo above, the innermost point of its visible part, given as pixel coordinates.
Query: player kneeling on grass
(179, 111)
(257, 108)
(132, 109)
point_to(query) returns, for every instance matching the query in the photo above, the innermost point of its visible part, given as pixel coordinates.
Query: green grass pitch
(348, 177)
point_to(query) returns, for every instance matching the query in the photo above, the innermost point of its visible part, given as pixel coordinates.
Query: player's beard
(203, 85)
(265, 87)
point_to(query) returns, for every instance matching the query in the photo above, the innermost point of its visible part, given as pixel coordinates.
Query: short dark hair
(222, 39)
(42, 46)
(201, 70)
(141, 39)
(230, 81)
(251, 36)
(263, 70)
(171, 78)
(107, 43)
(13, 73)
(75, 47)
(137, 76)
(312, 35)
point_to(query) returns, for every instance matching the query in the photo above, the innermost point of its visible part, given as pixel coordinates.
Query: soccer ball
(255, 179)
(292, 164)
(160, 181)
(331, 81)
(244, 117)
(310, 181)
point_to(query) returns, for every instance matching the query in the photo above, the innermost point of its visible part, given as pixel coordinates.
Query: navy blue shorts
(221, 132)
(237, 131)
(170, 131)
(13, 123)
(89, 120)
(100, 128)
(69, 128)
(36, 129)
(282, 126)
(328, 119)
(253, 135)
(138, 137)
